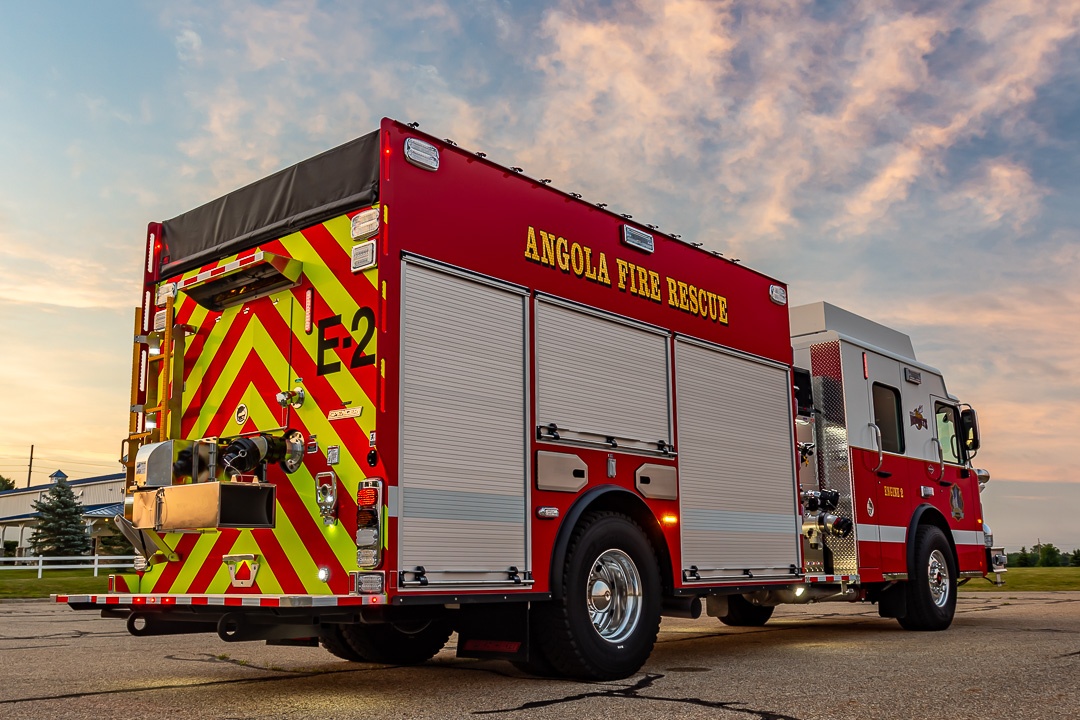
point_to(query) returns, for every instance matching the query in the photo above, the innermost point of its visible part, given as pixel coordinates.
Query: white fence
(76, 562)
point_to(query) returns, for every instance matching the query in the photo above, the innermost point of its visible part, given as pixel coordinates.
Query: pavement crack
(633, 692)
(237, 662)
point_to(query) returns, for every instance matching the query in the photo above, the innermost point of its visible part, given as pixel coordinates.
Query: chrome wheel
(937, 573)
(614, 596)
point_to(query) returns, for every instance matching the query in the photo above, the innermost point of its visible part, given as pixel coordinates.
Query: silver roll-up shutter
(736, 464)
(600, 377)
(463, 478)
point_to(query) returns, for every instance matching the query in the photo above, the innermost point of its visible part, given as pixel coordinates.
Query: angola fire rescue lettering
(571, 257)
(365, 414)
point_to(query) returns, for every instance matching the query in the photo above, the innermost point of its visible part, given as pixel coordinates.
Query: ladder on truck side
(157, 378)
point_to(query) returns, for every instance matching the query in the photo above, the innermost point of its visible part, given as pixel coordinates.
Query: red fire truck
(398, 391)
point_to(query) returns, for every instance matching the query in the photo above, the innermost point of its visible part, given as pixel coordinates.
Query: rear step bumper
(142, 602)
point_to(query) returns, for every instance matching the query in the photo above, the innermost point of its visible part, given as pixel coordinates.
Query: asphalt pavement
(1007, 655)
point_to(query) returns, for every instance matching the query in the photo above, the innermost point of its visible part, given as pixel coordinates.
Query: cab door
(956, 484)
(880, 476)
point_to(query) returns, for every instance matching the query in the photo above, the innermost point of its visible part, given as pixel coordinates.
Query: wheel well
(929, 515)
(612, 499)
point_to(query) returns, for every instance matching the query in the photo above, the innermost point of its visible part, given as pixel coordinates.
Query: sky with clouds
(917, 162)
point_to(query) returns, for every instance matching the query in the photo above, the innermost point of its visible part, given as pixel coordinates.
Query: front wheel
(931, 585)
(605, 625)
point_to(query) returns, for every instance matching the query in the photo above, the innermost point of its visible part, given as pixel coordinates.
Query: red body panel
(895, 500)
(475, 215)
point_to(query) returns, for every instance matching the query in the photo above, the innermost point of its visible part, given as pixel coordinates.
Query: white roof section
(822, 317)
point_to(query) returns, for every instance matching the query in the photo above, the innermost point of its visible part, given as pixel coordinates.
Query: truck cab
(895, 444)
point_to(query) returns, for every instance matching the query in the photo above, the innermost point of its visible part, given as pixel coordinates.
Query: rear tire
(931, 585)
(398, 644)
(333, 640)
(605, 625)
(743, 613)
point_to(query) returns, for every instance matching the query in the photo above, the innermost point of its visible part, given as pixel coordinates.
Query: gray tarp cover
(311, 191)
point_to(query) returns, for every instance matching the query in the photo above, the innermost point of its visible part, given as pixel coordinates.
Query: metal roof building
(101, 496)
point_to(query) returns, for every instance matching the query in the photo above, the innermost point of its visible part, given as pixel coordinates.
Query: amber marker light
(669, 519)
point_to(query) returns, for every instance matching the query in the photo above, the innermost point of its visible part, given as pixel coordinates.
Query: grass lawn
(25, 583)
(1031, 579)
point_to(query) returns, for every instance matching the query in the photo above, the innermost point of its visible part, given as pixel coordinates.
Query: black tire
(333, 640)
(743, 613)
(398, 644)
(537, 664)
(931, 587)
(606, 623)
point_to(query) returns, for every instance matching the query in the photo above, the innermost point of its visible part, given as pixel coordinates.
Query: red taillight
(367, 497)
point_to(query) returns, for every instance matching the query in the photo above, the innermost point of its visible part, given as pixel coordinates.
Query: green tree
(1022, 558)
(6, 483)
(1074, 558)
(114, 544)
(1049, 556)
(60, 530)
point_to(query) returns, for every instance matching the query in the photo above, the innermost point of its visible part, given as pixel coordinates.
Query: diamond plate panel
(833, 452)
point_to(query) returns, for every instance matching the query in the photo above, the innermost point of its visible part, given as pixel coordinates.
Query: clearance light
(365, 224)
(669, 519)
(368, 583)
(422, 154)
(309, 310)
(324, 574)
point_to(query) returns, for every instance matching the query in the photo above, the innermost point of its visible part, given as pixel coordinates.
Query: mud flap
(499, 632)
(892, 602)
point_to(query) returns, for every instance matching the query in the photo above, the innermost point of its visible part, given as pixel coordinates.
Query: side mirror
(969, 424)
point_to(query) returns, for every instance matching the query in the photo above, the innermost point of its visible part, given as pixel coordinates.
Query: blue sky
(915, 162)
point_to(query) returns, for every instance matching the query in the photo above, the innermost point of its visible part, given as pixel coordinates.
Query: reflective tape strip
(225, 600)
(831, 579)
(968, 537)
(898, 534)
(881, 533)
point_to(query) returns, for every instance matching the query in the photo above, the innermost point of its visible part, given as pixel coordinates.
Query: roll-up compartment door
(463, 473)
(599, 378)
(736, 465)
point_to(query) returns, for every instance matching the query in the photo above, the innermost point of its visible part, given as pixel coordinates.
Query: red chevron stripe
(224, 543)
(311, 535)
(252, 372)
(278, 561)
(292, 505)
(198, 341)
(338, 260)
(213, 371)
(171, 570)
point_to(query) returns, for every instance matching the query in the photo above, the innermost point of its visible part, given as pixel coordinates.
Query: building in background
(101, 496)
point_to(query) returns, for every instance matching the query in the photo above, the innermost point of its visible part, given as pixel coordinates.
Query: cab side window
(887, 417)
(947, 433)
